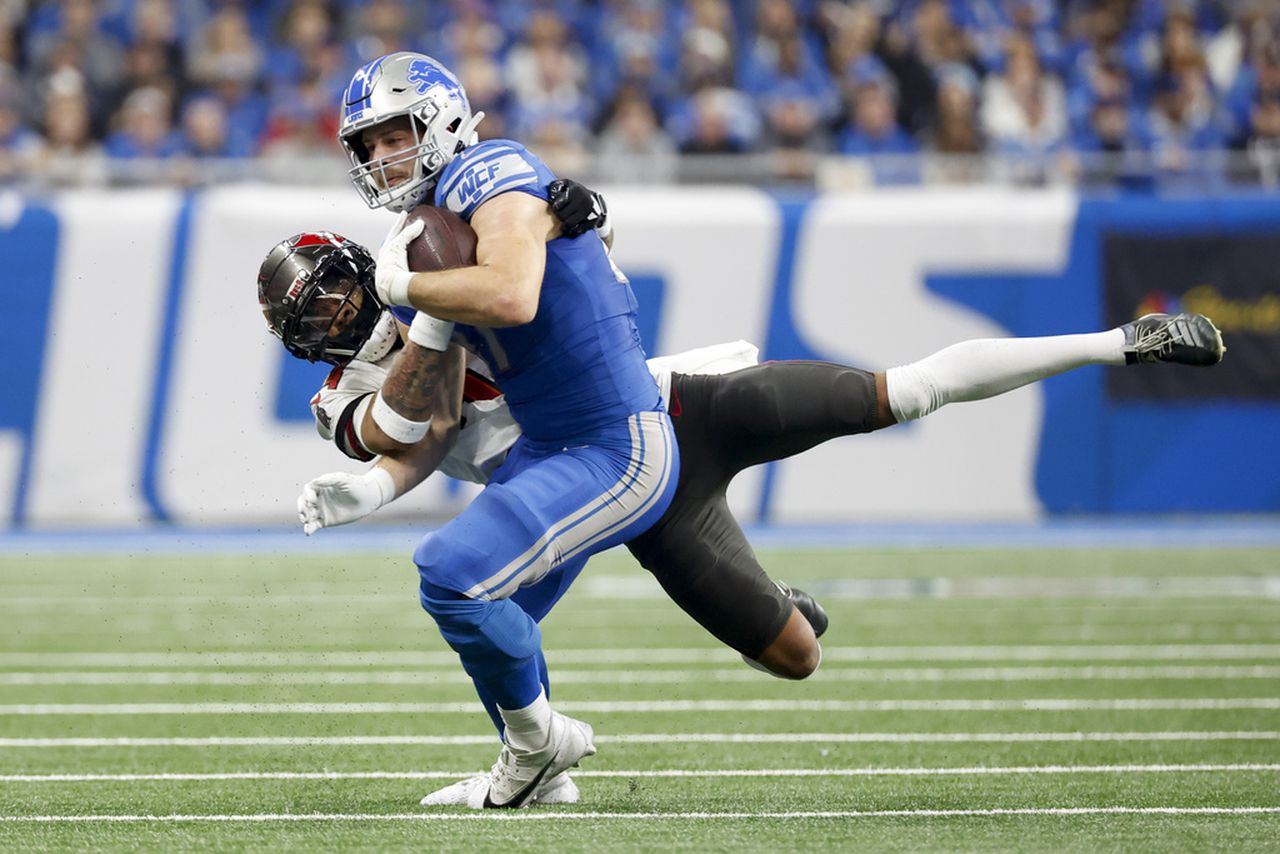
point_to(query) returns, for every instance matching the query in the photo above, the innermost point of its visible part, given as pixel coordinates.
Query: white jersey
(487, 431)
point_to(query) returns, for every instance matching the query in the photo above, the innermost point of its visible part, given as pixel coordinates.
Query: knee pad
(482, 629)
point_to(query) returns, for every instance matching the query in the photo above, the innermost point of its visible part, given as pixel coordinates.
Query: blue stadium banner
(1234, 279)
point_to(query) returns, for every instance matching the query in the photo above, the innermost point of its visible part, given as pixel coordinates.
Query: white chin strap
(384, 337)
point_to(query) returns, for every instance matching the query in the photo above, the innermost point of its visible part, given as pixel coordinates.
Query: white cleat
(518, 776)
(560, 789)
(455, 794)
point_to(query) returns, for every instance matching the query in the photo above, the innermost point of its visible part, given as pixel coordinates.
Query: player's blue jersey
(578, 364)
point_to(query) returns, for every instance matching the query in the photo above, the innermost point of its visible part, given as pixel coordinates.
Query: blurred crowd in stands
(627, 86)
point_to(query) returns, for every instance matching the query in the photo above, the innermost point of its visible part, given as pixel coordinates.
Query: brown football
(446, 241)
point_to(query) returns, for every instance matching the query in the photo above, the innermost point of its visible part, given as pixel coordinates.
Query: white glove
(341, 497)
(392, 276)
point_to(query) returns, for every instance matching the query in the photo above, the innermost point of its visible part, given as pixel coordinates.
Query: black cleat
(808, 608)
(1183, 339)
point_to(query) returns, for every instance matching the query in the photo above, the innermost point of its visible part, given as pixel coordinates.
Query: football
(446, 241)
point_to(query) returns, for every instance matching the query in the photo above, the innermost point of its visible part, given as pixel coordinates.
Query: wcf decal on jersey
(473, 184)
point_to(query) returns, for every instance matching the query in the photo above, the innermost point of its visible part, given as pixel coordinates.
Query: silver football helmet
(419, 87)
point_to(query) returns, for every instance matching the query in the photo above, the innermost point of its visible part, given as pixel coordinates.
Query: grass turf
(119, 634)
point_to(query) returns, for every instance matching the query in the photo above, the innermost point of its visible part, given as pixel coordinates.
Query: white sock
(986, 367)
(528, 728)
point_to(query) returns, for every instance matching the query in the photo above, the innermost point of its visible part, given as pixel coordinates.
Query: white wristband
(398, 287)
(386, 484)
(430, 332)
(396, 426)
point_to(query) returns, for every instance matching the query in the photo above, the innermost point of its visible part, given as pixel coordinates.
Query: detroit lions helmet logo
(425, 74)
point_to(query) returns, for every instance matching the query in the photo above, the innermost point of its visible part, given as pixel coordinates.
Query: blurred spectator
(934, 36)
(1254, 82)
(633, 148)
(70, 156)
(558, 142)
(307, 33)
(20, 146)
(1183, 116)
(716, 120)
(1228, 52)
(205, 131)
(1184, 128)
(226, 64)
(706, 60)
(386, 27)
(1264, 138)
(147, 65)
(851, 33)
(470, 34)
(487, 92)
(546, 73)
(990, 25)
(956, 130)
(225, 49)
(873, 128)
(1023, 110)
(1165, 78)
(72, 30)
(303, 121)
(154, 23)
(1113, 147)
(636, 50)
(1102, 39)
(874, 132)
(145, 128)
(798, 104)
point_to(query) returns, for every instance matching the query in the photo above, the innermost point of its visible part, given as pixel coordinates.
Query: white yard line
(533, 815)
(962, 771)
(394, 658)
(656, 738)
(651, 707)
(567, 676)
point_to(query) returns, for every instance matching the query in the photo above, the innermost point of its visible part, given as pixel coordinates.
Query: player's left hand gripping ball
(392, 277)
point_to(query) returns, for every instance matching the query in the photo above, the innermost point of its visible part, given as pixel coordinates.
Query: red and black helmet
(316, 291)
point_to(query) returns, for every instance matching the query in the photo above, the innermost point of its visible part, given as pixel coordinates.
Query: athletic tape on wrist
(396, 426)
(398, 287)
(430, 332)
(385, 482)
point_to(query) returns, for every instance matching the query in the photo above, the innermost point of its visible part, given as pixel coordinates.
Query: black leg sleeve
(703, 561)
(697, 550)
(777, 409)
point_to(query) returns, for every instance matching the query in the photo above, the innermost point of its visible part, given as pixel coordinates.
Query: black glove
(578, 208)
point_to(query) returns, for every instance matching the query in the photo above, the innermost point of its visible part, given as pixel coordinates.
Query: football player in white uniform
(729, 413)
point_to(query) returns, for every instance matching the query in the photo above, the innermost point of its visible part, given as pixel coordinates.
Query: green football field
(1088, 700)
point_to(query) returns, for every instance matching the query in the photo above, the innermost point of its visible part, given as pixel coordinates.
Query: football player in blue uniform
(596, 463)
(728, 413)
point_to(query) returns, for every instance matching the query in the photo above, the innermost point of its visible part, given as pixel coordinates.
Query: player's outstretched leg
(976, 370)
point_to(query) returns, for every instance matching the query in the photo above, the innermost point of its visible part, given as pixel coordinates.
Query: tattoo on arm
(410, 388)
